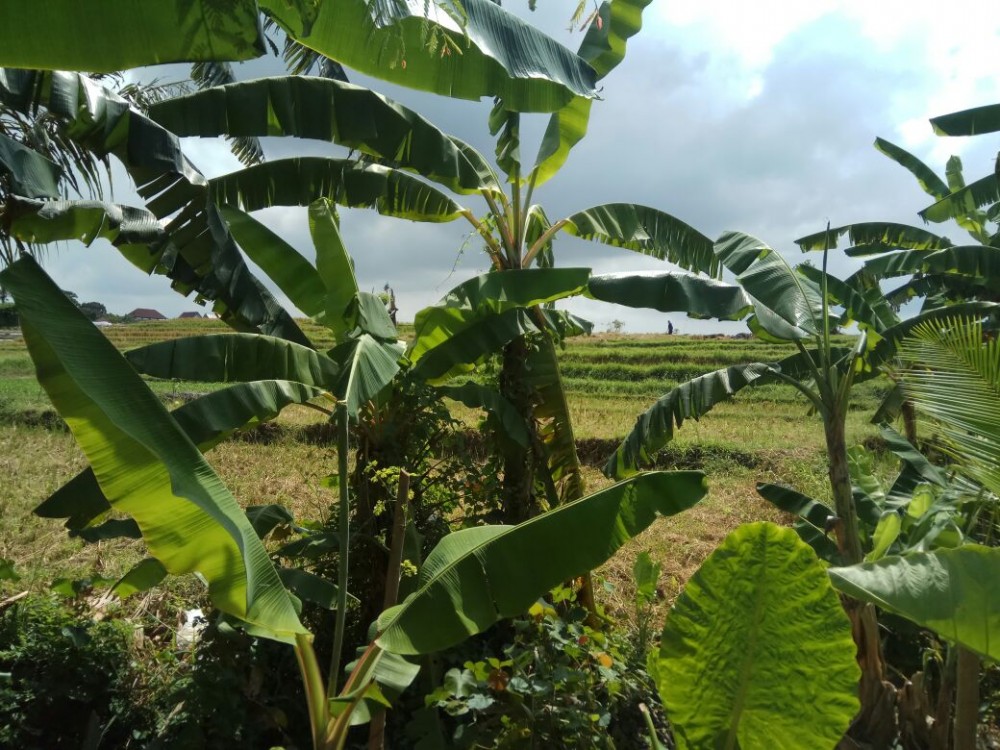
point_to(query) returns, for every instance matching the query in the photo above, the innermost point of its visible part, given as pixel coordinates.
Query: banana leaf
(467, 51)
(146, 466)
(29, 173)
(928, 180)
(698, 296)
(103, 36)
(477, 576)
(335, 111)
(301, 181)
(872, 237)
(969, 121)
(645, 230)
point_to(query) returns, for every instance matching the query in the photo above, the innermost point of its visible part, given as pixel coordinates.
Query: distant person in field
(670, 328)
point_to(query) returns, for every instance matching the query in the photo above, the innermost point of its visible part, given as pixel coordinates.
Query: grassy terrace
(765, 434)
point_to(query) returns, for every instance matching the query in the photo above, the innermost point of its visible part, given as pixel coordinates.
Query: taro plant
(795, 304)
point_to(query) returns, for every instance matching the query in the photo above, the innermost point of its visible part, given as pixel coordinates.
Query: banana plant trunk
(875, 724)
(518, 496)
(966, 700)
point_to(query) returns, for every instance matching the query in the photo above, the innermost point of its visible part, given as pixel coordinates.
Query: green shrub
(557, 682)
(65, 679)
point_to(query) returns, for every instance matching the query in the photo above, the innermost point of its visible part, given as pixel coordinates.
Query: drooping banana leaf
(647, 231)
(813, 515)
(104, 36)
(234, 357)
(787, 305)
(949, 591)
(672, 292)
(206, 421)
(971, 261)
(691, 400)
(928, 180)
(196, 251)
(501, 290)
(300, 181)
(973, 121)
(476, 576)
(603, 46)
(872, 237)
(329, 110)
(486, 311)
(964, 202)
(144, 463)
(757, 650)
(29, 173)
(467, 50)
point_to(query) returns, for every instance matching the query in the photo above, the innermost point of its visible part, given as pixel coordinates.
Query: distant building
(142, 313)
(192, 314)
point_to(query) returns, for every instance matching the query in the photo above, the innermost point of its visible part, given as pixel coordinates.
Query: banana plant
(795, 305)
(147, 466)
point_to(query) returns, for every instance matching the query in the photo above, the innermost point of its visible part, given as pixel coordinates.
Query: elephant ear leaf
(144, 463)
(757, 651)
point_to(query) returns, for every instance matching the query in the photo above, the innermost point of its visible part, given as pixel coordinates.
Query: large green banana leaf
(200, 255)
(300, 181)
(479, 51)
(334, 268)
(813, 515)
(501, 290)
(283, 264)
(736, 251)
(109, 35)
(871, 237)
(950, 591)
(964, 202)
(477, 576)
(647, 231)
(665, 291)
(29, 173)
(928, 180)
(655, 427)
(603, 46)
(757, 652)
(146, 466)
(206, 421)
(329, 110)
(234, 357)
(977, 261)
(555, 428)
(786, 303)
(969, 121)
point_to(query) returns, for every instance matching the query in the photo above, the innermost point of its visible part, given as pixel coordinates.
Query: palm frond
(953, 376)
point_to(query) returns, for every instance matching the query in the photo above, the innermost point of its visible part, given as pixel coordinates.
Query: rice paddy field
(764, 435)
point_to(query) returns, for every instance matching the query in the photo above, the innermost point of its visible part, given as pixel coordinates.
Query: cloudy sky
(751, 116)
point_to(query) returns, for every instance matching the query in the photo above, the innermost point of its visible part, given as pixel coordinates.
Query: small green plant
(65, 679)
(555, 680)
